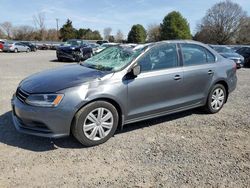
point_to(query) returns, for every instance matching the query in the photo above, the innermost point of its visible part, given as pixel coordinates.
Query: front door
(159, 86)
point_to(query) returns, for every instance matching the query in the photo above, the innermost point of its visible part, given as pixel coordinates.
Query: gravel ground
(188, 149)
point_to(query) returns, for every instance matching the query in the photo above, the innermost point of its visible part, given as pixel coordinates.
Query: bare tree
(39, 21)
(23, 32)
(107, 32)
(2, 35)
(119, 36)
(244, 34)
(7, 28)
(154, 32)
(222, 22)
(52, 35)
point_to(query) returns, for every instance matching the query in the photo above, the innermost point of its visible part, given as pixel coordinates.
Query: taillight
(10, 46)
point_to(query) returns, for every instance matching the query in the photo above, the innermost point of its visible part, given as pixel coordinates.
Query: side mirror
(136, 70)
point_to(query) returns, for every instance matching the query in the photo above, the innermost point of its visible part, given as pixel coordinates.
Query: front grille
(21, 94)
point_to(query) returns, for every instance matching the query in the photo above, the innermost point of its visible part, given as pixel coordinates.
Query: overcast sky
(98, 14)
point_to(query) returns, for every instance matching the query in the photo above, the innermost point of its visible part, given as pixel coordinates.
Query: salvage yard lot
(189, 148)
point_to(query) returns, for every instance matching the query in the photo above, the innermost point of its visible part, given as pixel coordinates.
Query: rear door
(159, 86)
(19, 46)
(198, 72)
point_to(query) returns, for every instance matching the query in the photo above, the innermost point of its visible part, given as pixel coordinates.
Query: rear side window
(196, 55)
(159, 57)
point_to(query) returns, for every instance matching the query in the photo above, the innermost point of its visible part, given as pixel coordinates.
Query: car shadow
(159, 120)
(11, 137)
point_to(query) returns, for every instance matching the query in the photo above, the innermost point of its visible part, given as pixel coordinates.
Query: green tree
(175, 26)
(67, 31)
(137, 34)
(88, 34)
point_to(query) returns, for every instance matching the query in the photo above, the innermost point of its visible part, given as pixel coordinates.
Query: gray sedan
(15, 47)
(121, 85)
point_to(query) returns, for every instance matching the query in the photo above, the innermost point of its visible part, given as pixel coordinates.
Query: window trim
(155, 46)
(204, 49)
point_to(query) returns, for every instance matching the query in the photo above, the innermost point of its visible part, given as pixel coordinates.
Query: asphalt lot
(186, 149)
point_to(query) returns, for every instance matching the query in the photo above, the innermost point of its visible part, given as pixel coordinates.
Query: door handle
(210, 72)
(177, 77)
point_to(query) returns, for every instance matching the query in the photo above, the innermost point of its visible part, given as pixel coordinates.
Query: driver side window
(160, 57)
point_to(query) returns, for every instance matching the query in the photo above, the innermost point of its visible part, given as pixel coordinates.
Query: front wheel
(95, 123)
(216, 99)
(28, 50)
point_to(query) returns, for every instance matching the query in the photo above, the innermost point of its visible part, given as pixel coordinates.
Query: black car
(74, 50)
(30, 45)
(100, 42)
(229, 53)
(245, 52)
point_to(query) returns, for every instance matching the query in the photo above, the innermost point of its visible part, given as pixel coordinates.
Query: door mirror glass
(136, 70)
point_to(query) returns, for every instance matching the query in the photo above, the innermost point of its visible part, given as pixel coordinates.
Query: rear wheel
(28, 50)
(15, 50)
(95, 123)
(216, 99)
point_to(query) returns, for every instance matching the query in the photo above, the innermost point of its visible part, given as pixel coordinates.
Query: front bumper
(64, 55)
(40, 121)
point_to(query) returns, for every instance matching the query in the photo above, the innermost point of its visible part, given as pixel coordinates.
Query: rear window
(196, 55)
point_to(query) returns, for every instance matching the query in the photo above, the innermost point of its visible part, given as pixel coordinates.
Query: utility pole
(57, 20)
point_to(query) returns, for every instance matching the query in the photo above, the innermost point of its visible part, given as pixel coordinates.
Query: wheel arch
(109, 100)
(224, 83)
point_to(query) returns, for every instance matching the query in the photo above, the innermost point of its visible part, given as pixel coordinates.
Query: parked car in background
(74, 50)
(54, 46)
(245, 52)
(95, 47)
(15, 47)
(100, 42)
(1, 45)
(229, 53)
(104, 46)
(43, 46)
(235, 48)
(122, 85)
(30, 45)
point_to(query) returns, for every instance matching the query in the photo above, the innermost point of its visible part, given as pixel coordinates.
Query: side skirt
(164, 113)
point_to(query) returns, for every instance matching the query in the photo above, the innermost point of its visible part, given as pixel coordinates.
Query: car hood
(231, 55)
(60, 78)
(67, 48)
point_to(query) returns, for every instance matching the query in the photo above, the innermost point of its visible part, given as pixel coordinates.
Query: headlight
(44, 100)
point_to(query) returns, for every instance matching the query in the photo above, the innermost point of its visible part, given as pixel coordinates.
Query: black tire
(91, 54)
(80, 117)
(15, 50)
(28, 50)
(208, 107)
